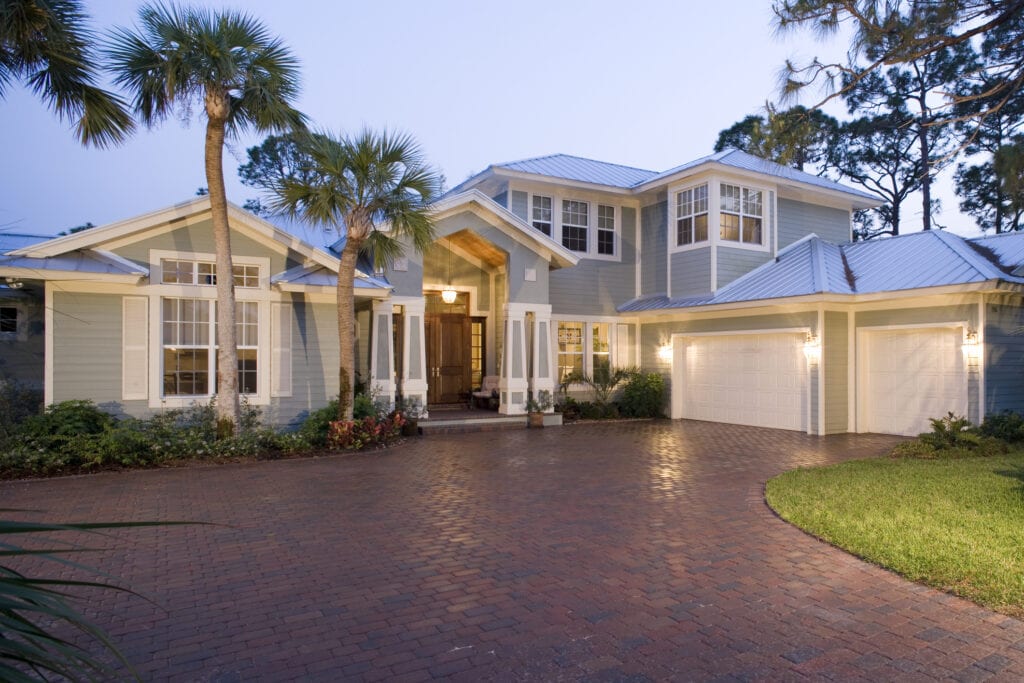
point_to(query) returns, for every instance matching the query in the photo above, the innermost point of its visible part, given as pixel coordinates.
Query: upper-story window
(542, 213)
(187, 272)
(692, 215)
(605, 230)
(741, 214)
(575, 224)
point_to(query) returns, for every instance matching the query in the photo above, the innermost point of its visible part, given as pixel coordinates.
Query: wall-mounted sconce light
(972, 345)
(665, 353)
(812, 347)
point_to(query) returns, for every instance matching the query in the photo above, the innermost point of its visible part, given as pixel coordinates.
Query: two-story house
(733, 276)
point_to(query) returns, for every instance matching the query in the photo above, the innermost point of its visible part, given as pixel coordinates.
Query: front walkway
(619, 551)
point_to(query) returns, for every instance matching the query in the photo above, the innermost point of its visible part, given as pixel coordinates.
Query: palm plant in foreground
(46, 45)
(374, 189)
(244, 78)
(35, 612)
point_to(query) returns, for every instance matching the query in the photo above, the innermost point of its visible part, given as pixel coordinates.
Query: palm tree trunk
(347, 327)
(228, 409)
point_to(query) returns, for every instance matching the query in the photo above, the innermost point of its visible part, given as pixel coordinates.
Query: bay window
(741, 214)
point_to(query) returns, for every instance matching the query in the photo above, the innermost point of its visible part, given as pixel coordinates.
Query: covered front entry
(454, 353)
(748, 379)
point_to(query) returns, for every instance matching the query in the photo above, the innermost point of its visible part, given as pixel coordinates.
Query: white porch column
(513, 384)
(382, 358)
(543, 378)
(414, 350)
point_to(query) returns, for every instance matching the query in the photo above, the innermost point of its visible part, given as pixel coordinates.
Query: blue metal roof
(1007, 250)
(933, 258)
(318, 276)
(82, 261)
(580, 169)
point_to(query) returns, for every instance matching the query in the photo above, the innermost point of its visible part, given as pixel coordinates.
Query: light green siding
(1004, 356)
(520, 204)
(733, 263)
(654, 248)
(691, 272)
(798, 219)
(198, 239)
(594, 286)
(835, 353)
(314, 361)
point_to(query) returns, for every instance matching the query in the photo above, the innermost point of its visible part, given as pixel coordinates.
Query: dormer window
(692, 215)
(741, 214)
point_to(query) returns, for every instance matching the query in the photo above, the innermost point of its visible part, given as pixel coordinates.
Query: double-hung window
(584, 348)
(542, 214)
(190, 346)
(692, 215)
(605, 230)
(570, 349)
(575, 224)
(741, 214)
(601, 351)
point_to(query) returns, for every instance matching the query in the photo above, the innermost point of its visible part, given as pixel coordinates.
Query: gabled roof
(810, 266)
(314, 275)
(82, 251)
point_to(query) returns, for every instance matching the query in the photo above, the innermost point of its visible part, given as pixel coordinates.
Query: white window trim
(768, 217)
(158, 291)
(551, 208)
(592, 200)
(588, 343)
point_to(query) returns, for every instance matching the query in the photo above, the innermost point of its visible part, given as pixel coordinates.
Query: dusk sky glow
(646, 84)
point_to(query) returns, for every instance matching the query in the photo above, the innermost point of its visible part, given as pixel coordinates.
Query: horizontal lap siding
(799, 219)
(733, 263)
(836, 354)
(314, 360)
(596, 287)
(691, 272)
(87, 349)
(519, 204)
(1004, 358)
(653, 248)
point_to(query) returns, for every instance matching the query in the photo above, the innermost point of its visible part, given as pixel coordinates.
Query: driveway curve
(623, 551)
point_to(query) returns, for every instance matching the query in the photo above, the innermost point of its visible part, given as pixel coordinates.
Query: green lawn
(955, 524)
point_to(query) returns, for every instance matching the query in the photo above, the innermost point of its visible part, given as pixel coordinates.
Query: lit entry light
(665, 353)
(448, 295)
(812, 346)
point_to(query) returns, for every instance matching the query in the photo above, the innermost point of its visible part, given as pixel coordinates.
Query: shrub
(643, 395)
(952, 436)
(1007, 426)
(315, 428)
(17, 404)
(355, 435)
(68, 418)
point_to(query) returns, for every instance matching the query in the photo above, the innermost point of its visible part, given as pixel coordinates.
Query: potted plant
(536, 407)
(412, 410)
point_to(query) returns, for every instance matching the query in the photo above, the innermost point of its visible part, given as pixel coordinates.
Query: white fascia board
(520, 231)
(68, 275)
(131, 266)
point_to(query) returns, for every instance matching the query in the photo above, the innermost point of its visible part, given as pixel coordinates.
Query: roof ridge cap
(974, 259)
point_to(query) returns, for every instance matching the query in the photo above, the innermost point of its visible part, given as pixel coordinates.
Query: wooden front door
(449, 364)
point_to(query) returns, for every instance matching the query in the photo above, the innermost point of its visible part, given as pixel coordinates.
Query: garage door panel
(751, 379)
(910, 376)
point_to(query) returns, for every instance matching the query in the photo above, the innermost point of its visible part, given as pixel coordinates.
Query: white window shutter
(623, 349)
(135, 348)
(281, 349)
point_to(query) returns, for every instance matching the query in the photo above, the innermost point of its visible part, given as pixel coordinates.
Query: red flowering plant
(354, 435)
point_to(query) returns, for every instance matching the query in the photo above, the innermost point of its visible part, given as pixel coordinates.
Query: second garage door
(749, 379)
(908, 376)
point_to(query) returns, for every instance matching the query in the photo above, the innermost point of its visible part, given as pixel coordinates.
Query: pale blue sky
(646, 84)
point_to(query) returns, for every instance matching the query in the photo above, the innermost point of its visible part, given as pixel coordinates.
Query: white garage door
(909, 376)
(748, 379)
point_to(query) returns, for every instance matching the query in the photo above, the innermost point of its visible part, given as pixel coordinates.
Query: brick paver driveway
(613, 552)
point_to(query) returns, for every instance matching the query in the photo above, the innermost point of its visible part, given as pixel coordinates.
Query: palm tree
(45, 44)
(375, 190)
(244, 78)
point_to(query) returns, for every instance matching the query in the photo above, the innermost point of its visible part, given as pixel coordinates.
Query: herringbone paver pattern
(630, 551)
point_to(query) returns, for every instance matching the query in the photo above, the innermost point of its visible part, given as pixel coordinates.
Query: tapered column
(543, 377)
(514, 384)
(414, 351)
(382, 357)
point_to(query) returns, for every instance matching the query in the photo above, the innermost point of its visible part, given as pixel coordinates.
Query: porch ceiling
(474, 244)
